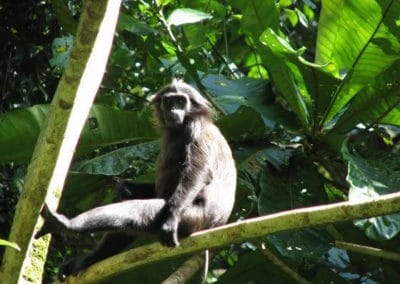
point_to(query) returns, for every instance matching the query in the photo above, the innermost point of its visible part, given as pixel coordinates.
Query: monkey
(194, 188)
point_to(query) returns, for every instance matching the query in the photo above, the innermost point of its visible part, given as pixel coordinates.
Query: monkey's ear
(154, 98)
(176, 81)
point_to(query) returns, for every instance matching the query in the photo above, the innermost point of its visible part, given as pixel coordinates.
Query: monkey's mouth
(173, 121)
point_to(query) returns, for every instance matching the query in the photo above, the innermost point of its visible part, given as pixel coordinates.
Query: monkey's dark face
(174, 108)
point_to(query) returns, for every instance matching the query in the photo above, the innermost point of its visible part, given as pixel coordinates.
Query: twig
(368, 250)
(286, 269)
(187, 270)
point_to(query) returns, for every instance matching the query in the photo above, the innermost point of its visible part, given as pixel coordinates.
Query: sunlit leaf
(183, 16)
(9, 244)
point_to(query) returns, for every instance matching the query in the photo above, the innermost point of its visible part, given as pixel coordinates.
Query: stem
(368, 250)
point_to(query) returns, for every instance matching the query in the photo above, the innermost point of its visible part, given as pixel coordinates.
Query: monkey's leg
(111, 244)
(133, 215)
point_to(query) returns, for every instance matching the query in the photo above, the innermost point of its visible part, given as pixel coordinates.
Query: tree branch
(187, 270)
(286, 269)
(368, 250)
(58, 138)
(239, 232)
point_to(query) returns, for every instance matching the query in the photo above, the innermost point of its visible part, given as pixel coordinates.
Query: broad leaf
(231, 94)
(310, 244)
(118, 161)
(130, 24)
(373, 49)
(19, 130)
(255, 19)
(369, 178)
(286, 76)
(244, 125)
(297, 186)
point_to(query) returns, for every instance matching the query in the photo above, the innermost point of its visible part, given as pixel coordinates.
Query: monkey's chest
(169, 174)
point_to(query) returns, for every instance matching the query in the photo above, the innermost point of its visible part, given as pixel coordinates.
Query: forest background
(306, 92)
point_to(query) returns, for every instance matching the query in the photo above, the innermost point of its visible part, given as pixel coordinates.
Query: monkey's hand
(169, 231)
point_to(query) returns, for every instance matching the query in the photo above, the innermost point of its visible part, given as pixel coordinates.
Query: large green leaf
(297, 186)
(310, 243)
(375, 44)
(369, 178)
(19, 130)
(287, 77)
(371, 106)
(118, 161)
(305, 86)
(257, 94)
(243, 125)
(257, 16)
(18, 133)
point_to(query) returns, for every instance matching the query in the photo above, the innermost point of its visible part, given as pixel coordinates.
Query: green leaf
(310, 244)
(302, 18)
(84, 191)
(369, 178)
(183, 16)
(244, 125)
(19, 130)
(9, 244)
(258, 15)
(286, 72)
(295, 186)
(292, 16)
(371, 106)
(130, 24)
(255, 93)
(108, 126)
(118, 161)
(373, 49)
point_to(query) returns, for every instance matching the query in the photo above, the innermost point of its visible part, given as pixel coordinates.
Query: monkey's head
(178, 103)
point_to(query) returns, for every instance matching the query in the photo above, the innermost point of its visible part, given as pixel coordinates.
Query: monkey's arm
(187, 190)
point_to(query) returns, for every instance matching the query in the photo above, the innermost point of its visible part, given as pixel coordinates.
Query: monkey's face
(174, 107)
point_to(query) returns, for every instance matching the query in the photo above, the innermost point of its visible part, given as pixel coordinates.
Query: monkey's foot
(51, 224)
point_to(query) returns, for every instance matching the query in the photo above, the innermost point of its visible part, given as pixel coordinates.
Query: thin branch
(58, 138)
(187, 270)
(239, 232)
(368, 250)
(286, 269)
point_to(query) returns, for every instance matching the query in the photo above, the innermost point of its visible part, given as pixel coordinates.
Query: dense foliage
(307, 94)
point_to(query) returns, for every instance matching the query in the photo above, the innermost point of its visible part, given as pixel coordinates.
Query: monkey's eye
(174, 102)
(181, 101)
